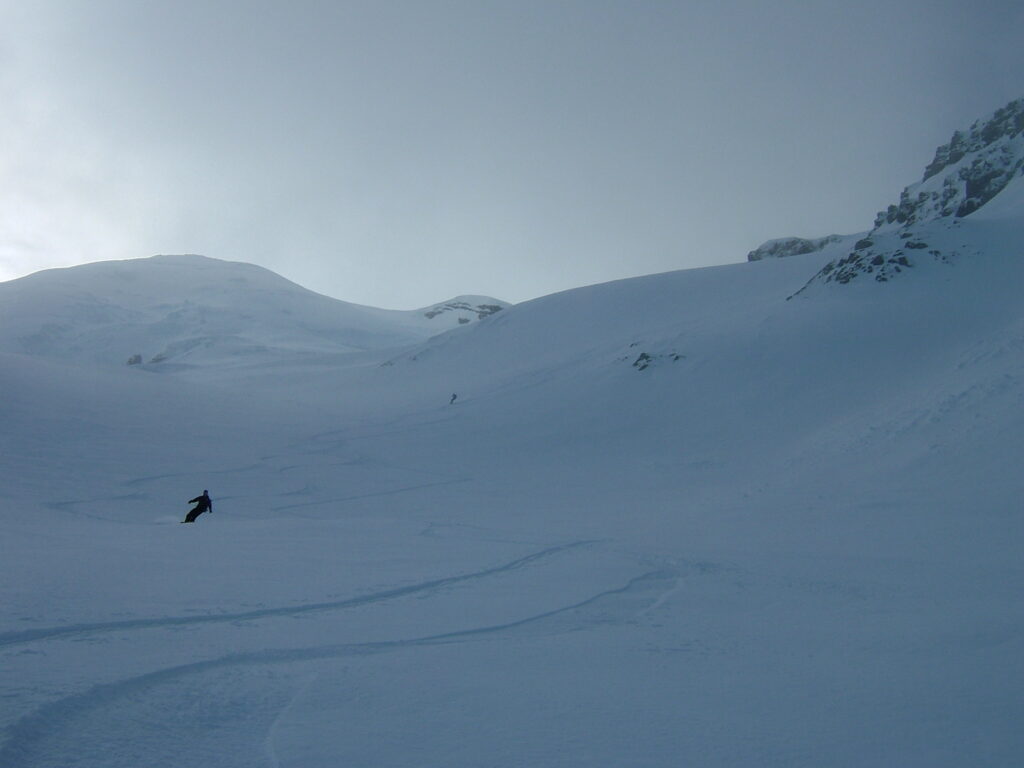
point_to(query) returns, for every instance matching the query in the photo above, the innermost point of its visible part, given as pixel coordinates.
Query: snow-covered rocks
(967, 174)
(463, 310)
(974, 167)
(793, 246)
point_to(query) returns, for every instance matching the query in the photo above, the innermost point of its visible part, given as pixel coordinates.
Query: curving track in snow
(225, 710)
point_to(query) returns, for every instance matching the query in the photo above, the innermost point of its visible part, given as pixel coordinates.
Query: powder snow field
(701, 518)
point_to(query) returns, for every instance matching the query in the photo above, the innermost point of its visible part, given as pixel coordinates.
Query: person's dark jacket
(205, 505)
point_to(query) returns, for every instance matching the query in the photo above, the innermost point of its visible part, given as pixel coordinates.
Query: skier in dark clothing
(452, 400)
(203, 504)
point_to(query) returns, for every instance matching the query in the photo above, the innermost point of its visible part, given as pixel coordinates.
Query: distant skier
(203, 504)
(453, 399)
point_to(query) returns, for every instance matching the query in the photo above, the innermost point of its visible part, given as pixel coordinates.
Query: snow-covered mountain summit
(167, 311)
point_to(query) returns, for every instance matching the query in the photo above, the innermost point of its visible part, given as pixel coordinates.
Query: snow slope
(739, 516)
(169, 311)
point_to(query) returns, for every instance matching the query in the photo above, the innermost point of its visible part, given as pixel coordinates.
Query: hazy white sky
(399, 152)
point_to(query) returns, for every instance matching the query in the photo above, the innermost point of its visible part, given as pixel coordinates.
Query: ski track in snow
(192, 474)
(388, 492)
(268, 742)
(69, 506)
(28, 735)
(46, 633)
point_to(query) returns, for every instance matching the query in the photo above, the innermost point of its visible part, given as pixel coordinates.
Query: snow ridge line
(47, 633)
(32, 728)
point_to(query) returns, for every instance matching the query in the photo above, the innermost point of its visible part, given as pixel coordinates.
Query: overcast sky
(397, 153)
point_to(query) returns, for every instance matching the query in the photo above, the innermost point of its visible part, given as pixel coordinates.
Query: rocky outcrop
(480, 310)
(967, 173)
(790, 246)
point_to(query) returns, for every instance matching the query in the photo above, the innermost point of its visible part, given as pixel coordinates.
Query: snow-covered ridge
(966, 173)
(975, 168)
(464, 309)
(169, 311)
(795, 246)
